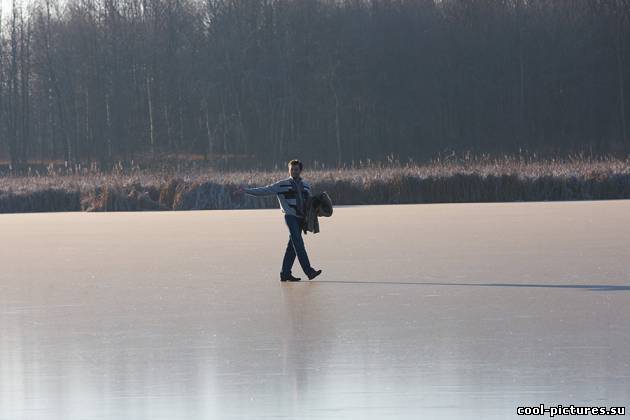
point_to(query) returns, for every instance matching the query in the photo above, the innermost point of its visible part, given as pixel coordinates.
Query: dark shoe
(289, 278)
(314, 274)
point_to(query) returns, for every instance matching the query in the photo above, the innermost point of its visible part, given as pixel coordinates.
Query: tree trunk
(620, 63)
(150, 104)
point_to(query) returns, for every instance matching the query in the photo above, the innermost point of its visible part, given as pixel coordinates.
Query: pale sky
(6, 6)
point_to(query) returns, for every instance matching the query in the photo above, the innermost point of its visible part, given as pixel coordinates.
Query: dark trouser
(295, 247)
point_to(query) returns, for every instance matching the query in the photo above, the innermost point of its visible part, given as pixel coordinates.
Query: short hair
(295, 162)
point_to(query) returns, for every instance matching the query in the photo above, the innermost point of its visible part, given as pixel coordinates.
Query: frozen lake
(437, 311)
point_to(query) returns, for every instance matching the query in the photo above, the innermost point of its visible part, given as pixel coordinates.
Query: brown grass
(452, 179)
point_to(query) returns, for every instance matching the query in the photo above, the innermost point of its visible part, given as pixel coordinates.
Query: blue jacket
(286, 192)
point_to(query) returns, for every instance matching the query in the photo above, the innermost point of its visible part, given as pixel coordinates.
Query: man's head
(295, 168)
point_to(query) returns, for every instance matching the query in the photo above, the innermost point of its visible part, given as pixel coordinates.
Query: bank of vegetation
(450, 179)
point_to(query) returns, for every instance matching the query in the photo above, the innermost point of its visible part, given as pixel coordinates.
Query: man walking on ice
(292, 194)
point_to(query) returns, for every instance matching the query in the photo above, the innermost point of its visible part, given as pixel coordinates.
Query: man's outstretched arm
(270, 189)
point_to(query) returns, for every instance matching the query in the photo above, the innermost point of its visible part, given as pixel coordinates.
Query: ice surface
(438, 311)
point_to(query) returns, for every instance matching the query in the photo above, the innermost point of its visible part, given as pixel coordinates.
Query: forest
(323, 80)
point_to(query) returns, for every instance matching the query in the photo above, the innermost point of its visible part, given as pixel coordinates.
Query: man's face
(294, 171)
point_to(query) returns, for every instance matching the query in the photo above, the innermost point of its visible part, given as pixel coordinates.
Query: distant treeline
(467, 179)
(325, 80)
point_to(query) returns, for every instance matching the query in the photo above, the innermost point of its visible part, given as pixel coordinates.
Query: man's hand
(239, 191)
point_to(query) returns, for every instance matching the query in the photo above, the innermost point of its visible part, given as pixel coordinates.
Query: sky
(7, 4)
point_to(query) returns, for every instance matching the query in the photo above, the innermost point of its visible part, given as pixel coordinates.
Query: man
(292, 194)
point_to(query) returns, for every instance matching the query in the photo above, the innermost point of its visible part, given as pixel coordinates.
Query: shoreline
(209, 190)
